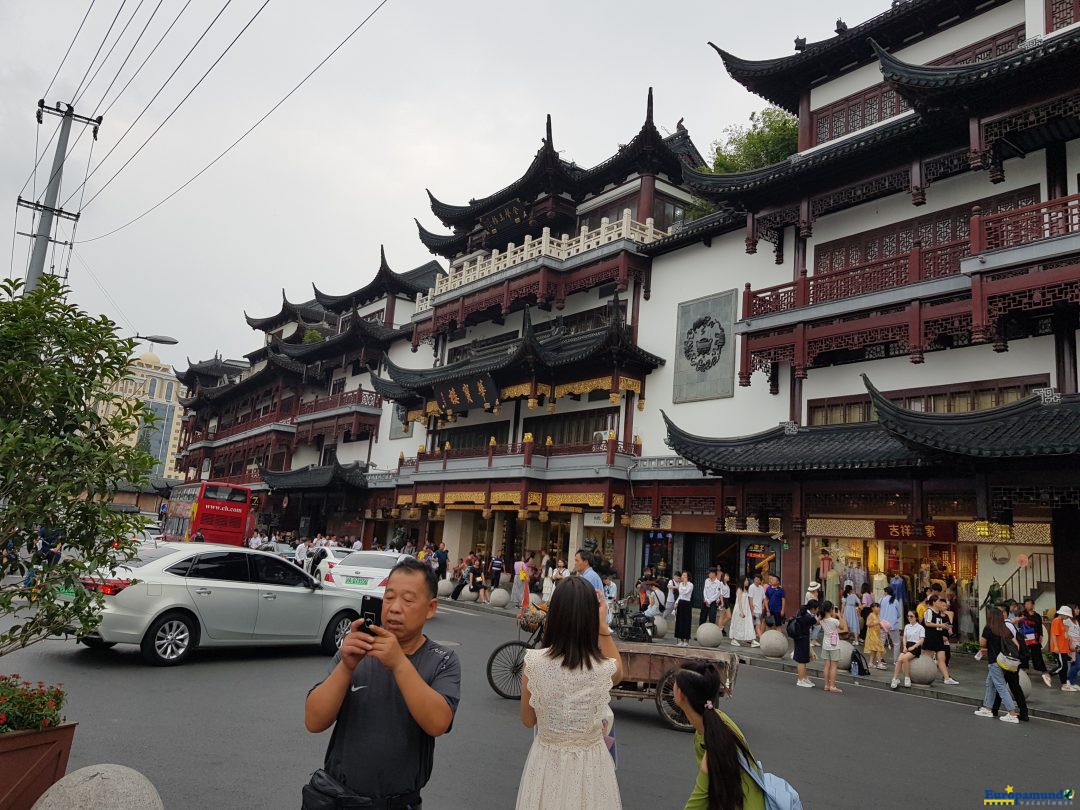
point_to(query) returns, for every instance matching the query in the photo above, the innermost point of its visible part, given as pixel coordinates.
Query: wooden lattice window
(941, 227)
(1061, 13)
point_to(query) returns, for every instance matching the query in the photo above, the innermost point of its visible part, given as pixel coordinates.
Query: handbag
(779, 794)
(1007, 662)
(324, 792)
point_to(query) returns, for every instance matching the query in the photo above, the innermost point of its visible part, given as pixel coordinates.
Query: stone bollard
(844, 664)
(923, 671)
(774, 644)
(661, 627)
(446, 587)
(1025, 683)
(500, 598)
(709, 635)
(113, 786)
(468, 595)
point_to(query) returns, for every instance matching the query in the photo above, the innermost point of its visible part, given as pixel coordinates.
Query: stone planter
(31, 762)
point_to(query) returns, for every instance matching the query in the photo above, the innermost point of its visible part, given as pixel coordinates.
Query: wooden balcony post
(915, 268)
(527, 448)
(798, 366)
(802, 289)
(751, 236)
(747, 301)
(612, 444)
(491, 449)
(978, 309)
(744, 362)
(976, 233)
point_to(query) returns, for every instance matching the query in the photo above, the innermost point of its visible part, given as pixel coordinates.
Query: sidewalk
(1047, 704)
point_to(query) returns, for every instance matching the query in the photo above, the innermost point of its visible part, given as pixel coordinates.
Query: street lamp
(164, 340)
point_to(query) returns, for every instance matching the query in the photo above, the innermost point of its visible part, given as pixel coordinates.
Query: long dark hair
(996, 622)
(699, 681)
(572, 629)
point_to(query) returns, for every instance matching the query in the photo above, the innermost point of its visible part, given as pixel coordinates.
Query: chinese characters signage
(461, 395)
(513, 213)
(903, 530)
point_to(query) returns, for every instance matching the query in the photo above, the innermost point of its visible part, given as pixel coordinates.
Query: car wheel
(336, 631)
(97, 643)
(169, 640)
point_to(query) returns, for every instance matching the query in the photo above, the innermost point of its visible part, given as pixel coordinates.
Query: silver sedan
(173, 597)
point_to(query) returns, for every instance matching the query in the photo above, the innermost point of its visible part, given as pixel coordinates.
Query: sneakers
(951, 682)
(807, 683)
(1069, 688)
(1009, 718)
(907, 683)
(881, 665)
(1046, 679)
(894, 683)
(735, 643)
(755, 643)
(982, 711)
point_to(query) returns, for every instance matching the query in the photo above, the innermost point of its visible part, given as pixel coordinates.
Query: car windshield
(341, 553)
(147, 554)
(368, 560)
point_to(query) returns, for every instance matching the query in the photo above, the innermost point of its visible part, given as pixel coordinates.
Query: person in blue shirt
(583, 564)
(891, 611)
(777, 601)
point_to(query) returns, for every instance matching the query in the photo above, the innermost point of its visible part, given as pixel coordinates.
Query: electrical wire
(159, 90)
(188, 95)
(144, 61)
(104, 291)
(100, 46)
(249, 130)
(68, 51)
(112, 48)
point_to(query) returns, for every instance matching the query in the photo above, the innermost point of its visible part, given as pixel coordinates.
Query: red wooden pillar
(628, 418)
(647, 200)
(744, 361)
(798, 368)
(806, 130)
(388, 311)
(915, 344)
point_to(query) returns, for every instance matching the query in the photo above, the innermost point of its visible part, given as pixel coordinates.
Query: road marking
(457, 611)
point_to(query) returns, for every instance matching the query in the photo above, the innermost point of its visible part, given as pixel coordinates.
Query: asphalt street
(226, 730)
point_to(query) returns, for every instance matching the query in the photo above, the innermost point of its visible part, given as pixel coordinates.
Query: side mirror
(313, 585)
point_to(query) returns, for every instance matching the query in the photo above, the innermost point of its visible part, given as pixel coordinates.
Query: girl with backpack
(799, 629)
(722, 780)
(996, 643)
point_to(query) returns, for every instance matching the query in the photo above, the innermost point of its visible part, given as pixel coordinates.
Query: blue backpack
(779, 794)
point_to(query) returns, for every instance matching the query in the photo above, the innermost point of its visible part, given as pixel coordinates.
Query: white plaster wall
(355, 451)
(952, 39)
(1035, 17)
(684, 275)
(304, 455)
(968, 364)
(960, 190)
(990, 571)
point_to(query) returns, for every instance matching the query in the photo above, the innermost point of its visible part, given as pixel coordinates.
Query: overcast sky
(446, 95)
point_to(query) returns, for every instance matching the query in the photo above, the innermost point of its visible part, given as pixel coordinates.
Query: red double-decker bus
(220, 511)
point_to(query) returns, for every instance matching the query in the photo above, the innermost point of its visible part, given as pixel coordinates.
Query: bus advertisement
(219, 511)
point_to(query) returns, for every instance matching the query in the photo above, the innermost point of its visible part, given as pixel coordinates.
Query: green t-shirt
(753, 798)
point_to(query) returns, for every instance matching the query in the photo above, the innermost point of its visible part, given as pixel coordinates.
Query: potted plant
(34, 739)
(68, 439)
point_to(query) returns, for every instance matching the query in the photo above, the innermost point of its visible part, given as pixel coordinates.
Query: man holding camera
(390, 692)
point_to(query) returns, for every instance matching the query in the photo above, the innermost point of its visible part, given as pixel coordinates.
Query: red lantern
(1022, 560)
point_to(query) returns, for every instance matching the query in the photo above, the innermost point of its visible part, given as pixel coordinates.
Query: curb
(785, 665)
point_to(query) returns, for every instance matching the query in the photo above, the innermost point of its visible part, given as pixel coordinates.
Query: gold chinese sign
(462, 395)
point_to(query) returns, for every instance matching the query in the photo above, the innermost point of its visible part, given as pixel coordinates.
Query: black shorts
(933, 643)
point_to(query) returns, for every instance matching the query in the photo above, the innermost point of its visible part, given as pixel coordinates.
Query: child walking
(873, 646)
(832, 625)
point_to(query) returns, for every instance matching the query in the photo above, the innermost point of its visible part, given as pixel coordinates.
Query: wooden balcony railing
(249, 477)
(993, 232)
(249, 424)
(365, 399)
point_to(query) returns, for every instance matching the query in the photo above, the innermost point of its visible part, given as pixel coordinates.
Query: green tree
(773, 136)
(65, 443)
(313, 336)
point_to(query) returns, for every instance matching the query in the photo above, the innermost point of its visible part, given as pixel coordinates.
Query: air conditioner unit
(599, 436)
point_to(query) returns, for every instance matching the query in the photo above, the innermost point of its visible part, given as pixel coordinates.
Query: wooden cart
(648, 672)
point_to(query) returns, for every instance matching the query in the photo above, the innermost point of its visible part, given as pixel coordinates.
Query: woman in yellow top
(721, 780)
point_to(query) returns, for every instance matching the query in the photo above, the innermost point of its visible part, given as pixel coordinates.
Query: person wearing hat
(813, 593)
(1062, 646)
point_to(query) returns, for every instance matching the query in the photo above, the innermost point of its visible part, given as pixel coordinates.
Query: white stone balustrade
(546, 246)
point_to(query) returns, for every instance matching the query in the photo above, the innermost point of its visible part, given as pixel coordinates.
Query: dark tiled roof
(960, 87)
(553, 350)
(781, 80)
(1022, 429)
(208, 371)
(386, 282)
(687, 233)
(831, 447)
(308, 311)
(315, 477)
(275, 364)
(360, 333)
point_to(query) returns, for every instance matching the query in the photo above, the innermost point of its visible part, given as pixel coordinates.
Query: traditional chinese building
(924, 235)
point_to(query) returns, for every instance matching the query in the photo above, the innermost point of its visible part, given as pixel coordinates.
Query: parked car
(322, 559)
(283, 550)
(365, 571)
(211, 595)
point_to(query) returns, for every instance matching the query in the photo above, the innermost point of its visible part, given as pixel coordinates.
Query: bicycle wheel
(504, 669)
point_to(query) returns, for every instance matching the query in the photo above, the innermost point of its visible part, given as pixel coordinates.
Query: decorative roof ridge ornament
(1048, 395)
(791, 428)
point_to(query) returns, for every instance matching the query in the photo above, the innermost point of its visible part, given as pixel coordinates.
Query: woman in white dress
(564, 696)
(742, 619)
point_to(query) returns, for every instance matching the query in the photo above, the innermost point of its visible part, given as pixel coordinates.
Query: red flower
(45, 723)
(3, 718)
(51, 704)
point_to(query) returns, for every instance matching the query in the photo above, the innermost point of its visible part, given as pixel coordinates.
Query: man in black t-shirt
(388, 695)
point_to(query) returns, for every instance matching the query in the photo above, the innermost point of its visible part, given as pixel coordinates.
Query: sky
(449, 96)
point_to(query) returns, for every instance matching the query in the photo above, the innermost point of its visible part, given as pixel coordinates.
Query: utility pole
(47, 209)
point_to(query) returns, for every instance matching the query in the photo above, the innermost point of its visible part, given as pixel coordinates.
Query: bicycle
(507, 661)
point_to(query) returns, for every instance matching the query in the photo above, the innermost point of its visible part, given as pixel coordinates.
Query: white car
(321, 560)
(174, 597)
(365, 571)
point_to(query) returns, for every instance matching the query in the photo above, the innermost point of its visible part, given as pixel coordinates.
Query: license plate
(356, 581)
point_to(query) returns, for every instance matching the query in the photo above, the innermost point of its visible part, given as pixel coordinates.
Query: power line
(250, 129)
(147, 59)
(68, 51)
(104, 291)
(112, 48)
(100, 46)
(177, 107)
(159, 90)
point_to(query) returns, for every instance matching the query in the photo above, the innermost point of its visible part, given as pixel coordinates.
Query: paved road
(226, 731)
